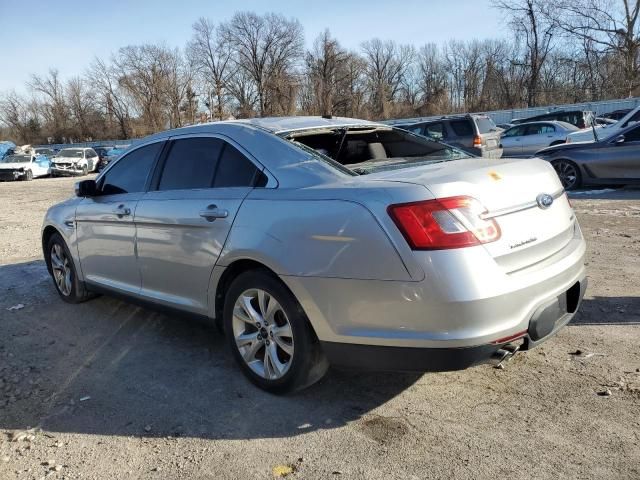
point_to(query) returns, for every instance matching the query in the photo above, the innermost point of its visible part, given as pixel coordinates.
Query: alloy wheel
(567, 173)
(62, 273)
(263, 334)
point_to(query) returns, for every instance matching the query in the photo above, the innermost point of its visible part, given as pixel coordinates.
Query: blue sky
(68, 34)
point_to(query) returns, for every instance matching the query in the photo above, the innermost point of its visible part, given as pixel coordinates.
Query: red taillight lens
(444, 223)
(477, 141)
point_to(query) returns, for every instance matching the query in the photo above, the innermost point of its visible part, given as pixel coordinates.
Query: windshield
(69, 152)
(365, 150)
(16, 159)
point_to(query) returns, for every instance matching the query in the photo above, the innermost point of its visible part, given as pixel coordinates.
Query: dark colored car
(611, 160)
(103, 153)
(578, 118)
(475, 134)
(617, 114)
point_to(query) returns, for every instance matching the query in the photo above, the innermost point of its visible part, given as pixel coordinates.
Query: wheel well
(229, 274)
(46, 236)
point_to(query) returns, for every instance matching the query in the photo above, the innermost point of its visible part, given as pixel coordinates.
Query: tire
(284, 334)
(569, 173)
(28, 176)
(63, 271)
(85, 170)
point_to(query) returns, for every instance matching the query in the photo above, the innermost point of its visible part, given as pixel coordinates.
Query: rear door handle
(212, 212)
(122, 211)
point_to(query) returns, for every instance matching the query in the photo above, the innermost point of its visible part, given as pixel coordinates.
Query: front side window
(130, 173)
(191, 164)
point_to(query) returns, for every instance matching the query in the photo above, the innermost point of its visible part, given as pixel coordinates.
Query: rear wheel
(28, 175)
(569, 174)
(63, 271)
(270, 335)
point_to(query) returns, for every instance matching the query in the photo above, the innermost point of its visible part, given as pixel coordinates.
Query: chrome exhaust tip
(504, 354)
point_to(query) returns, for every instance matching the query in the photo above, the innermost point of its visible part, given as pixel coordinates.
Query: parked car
(579, 118)
(612, 160)
(475, 134)
(389, 251)
(605, 122)
(6, 148)
(74, 161)
(526, 139)
(47, 152)
(23, 167)
(586, 134)
(110, 156)
(617, 114)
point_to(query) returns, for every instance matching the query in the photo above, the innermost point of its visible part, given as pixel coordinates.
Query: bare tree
(387, 64)
(105, 79)
(267, 48)
(211, 54)
(51, 89)
(610, 26)
(530, 23)
(81, 104)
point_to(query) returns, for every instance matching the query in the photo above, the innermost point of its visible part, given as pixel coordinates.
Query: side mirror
(86, 188)
(620, 139)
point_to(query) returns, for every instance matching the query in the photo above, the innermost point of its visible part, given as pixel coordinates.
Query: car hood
(13, 166)
(563, 147)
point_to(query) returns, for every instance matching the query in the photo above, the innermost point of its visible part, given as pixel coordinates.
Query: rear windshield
(485, 125)
(365, 150)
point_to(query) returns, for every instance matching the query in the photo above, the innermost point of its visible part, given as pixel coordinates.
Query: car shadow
(111, 368)
(608, 311)
(606, 193)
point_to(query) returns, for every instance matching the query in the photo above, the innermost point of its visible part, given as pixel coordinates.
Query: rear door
(104, 223)
(185, 218)
(536, 137)
(512, 141)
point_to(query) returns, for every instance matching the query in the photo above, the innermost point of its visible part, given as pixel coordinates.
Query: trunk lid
(509, 190)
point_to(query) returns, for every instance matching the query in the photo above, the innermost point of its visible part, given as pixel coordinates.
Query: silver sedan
(526, 139)
(315, 241)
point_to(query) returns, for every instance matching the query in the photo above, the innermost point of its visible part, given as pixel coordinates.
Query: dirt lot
(109, 390)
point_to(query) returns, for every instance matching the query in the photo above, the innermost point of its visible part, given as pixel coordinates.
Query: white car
(74, 161)
(586, 134)
(23, 167)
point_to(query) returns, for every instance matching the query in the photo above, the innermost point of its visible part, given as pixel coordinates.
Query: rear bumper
(546, 321)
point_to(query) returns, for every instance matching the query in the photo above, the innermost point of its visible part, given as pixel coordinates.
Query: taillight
(444, 223)
(477, 141)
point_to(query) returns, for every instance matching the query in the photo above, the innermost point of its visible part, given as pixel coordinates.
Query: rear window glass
(462, 128)
(235, 170)
(366, 150)
(485, 125)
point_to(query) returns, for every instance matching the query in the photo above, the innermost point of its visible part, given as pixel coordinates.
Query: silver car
(526, 139)
(314, 241)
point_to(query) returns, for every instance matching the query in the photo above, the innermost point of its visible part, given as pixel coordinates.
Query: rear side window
(485, 125)
(462, 128)
(191, 163)
(236, 170)
(130, 173)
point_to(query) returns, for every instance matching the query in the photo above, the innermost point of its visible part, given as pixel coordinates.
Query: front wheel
(85, 170)
(569, 174)
(269, 334)
(28, 175)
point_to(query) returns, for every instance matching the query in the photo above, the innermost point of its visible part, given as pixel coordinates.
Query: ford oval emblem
(544, 200)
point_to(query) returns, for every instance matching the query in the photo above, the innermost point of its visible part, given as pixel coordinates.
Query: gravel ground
(109, 390)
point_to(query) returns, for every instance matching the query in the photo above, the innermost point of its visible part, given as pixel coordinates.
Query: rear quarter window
(462, 128)
(485, 125)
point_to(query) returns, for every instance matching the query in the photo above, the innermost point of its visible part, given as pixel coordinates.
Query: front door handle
(122, 211)
(212, 212)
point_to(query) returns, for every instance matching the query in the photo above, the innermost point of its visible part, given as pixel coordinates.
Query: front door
(185, 218)
(105, 228)
(619, 160)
